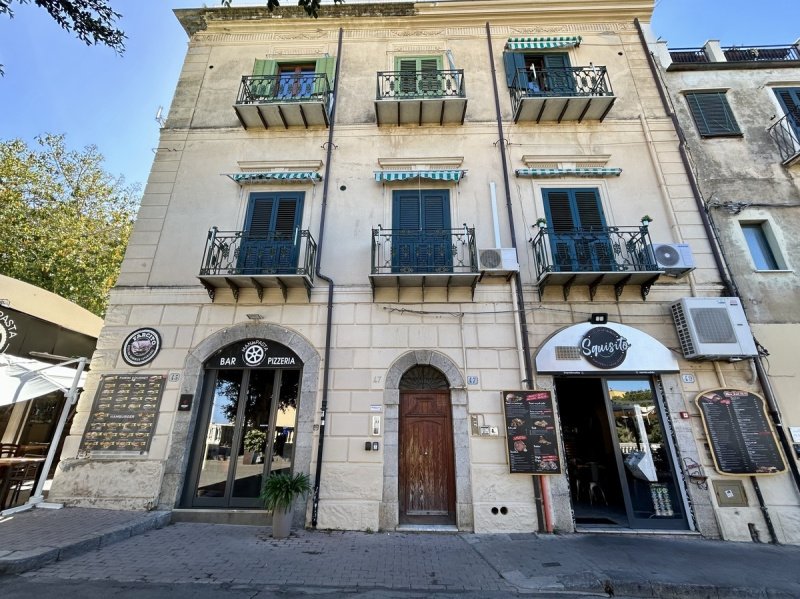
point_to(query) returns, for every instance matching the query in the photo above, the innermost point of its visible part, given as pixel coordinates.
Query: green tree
(65, 221)
(92, 21)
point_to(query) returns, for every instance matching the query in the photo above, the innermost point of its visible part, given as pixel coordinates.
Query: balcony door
(540, 74)
(421, 236)
(579, 238)
(789, 98)
(271, 239)
(419, 77)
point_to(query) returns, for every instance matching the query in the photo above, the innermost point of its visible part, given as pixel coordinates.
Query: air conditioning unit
(713, 328)
(675, 259)
(498, 260)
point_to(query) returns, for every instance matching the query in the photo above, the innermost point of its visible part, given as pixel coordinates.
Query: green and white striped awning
(287, 176)
(542, 43)
(569, 172)
(435, 175)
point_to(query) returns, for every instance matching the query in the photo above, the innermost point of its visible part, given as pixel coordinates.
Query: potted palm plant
(278, 494)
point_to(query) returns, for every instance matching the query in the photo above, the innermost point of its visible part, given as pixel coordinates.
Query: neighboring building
(38, 330)
(739, 110)
(378, 228)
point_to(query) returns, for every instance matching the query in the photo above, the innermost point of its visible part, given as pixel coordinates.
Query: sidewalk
(393, 563)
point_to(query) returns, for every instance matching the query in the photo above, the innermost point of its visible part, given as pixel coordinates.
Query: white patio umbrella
(22, 379)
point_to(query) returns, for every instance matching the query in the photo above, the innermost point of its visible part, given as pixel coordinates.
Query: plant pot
(281, 523)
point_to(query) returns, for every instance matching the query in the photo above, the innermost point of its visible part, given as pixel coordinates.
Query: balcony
(617, 256)
(561, 94)
(786, 133)
(443, 258)
(420, 97)
(762, 54)
(237, 260)
(283, 101)
(688, 55)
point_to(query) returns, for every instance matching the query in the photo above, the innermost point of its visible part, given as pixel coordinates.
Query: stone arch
(389, 515)
(185, 423)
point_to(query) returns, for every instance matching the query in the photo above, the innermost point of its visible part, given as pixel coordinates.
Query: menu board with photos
(740, 434)
(123, 417)
(531, 432)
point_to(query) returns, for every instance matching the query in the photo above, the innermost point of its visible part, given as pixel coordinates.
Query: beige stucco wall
(469, 336)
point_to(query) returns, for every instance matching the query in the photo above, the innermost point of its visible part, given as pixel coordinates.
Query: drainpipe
(727, 279)
(542, 511)
(318, 271)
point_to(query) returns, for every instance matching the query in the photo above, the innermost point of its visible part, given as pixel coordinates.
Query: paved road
(204, 560)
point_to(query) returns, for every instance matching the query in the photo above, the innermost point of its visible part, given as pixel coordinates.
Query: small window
(712, 114)
(758, 237)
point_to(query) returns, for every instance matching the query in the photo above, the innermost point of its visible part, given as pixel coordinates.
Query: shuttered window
(712, 114)
(419, 76)
(270, 242)
(421, 241)
(789, 98)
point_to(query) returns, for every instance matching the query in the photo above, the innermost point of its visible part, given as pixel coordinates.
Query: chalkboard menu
(739, 432)
(123, 416)
(531, 432)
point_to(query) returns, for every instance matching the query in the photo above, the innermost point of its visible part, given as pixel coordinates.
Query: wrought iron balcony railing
(761, 53)
(424, 252)
(786, 133)
(287, 87)
(238, 253)
(688, 55)
(596, 249)
(399, 85)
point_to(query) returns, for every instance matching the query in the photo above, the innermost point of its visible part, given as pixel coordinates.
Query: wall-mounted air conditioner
(713, 328)
(675, 259)
(498, 260)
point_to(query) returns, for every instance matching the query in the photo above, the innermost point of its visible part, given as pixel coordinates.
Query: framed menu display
(531, 432)
(739, 432)
(123, 417)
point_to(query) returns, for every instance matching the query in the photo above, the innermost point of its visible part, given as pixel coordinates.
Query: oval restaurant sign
(255, 353)
(604, 347)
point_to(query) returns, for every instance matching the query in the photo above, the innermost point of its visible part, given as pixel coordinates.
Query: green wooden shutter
(579, 240)
(261, 86)
(712, 114)
(327, 66)
(429, 76)
(558, 74)
(408, 76)
(514, 62)
(419, 76)
(789, 98)
(259, 219)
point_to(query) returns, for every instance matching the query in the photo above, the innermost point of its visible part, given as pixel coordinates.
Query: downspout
(318, 271)
(542, 511)
(727, 279)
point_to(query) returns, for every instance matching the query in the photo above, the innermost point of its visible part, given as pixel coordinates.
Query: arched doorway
(247, 424)
(426, 465)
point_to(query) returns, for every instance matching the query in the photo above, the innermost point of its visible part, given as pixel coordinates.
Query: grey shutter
(712, 114)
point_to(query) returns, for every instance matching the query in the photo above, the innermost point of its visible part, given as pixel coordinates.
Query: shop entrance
(426, 465)
(246, 432)
(619, 458)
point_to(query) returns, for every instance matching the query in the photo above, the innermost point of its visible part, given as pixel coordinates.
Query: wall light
(598, 318)
(255, 317)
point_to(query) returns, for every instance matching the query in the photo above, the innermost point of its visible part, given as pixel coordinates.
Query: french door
(579, 239)
(271, 240)
(421, 235)
(248, 428)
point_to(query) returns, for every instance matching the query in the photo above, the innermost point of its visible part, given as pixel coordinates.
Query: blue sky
(56, 84)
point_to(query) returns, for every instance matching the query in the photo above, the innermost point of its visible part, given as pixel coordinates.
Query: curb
(16, 562)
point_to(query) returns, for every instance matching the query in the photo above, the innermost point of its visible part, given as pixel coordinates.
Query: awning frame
(431, 174)
(274, 176)
(568, 172)
(543, 43)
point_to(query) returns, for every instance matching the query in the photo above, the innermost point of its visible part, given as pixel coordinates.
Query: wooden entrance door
(426, 464)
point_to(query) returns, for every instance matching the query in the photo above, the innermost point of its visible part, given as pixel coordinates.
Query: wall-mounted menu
(739, 432)
(531, 432)
(123, 417)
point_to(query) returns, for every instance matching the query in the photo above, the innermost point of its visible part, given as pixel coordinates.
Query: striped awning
(450, 175)
(569, 172)
(274, 176)
(542, 43)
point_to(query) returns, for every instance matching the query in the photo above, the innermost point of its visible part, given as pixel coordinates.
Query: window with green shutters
(419, 76)
(298, 79)
(789, 98)
(712, 114)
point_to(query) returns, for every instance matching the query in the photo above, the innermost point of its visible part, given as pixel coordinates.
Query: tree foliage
(65, 221)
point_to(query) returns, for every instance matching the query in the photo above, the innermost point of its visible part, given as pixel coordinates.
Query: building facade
(413, 250)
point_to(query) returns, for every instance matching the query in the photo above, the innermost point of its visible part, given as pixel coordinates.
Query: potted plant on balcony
(278, 494)
(646, 220)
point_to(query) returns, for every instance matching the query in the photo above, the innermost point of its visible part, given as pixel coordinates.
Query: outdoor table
(7, 467)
